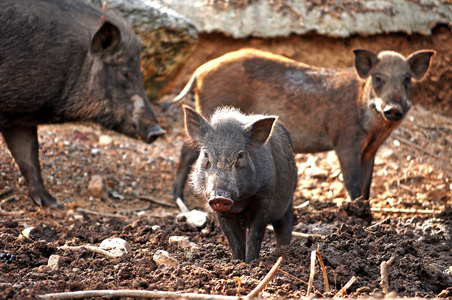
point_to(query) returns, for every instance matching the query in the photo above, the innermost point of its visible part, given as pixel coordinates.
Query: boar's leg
(350, 162)
(187, 158)
(255, 236)
(283, 227)
(235, 233)
(367, 166)
(23, 145)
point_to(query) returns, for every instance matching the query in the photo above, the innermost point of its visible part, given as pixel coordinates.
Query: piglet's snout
(220, 200)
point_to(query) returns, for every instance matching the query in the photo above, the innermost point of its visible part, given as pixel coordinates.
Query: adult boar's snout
(145, 121)
(155, 132)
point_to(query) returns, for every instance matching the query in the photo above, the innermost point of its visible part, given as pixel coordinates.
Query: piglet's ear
(106, 39)
(195, 125)
(260, 130)
(419, 62)
(365, 60)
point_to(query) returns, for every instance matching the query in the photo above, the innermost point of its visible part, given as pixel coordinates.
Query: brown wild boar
(66, 61)
(350, 111)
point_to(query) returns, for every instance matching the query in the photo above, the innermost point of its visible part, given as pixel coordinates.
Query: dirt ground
(410, 201)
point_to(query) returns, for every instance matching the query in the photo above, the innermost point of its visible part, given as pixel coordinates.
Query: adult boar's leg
(187, 158)
(23, 144)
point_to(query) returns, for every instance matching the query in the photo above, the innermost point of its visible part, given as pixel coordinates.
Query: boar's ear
(195, 125)
(106, 39)
(419, 62)
(260, 130)
(365, 60)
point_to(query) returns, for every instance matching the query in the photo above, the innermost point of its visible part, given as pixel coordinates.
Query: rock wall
(276, 18)
(168, 40)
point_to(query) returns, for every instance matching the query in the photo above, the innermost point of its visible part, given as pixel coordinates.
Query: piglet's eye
(124, 73)
(241, 155)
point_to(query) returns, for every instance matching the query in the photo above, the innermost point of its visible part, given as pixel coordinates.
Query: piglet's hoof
(357, 209)
(221, 204)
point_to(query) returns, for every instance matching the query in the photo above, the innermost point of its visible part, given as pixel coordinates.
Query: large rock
(168, 40)
(265, 18)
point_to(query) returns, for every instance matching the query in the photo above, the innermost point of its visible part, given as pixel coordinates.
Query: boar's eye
(378, 81)
(240, 157)
(205, 160)
(124, 73)
(407, 83)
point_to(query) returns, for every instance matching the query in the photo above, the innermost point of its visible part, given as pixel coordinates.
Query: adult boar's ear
(365, 60)
(106, 39)
(195, 125)
(419, 62)
(260, 130)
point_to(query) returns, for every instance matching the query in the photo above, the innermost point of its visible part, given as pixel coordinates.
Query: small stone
(105, 140)
(182, 242)
(163, 258)
(97, 187)
(55, 261)
(116, 246)
(194, 218)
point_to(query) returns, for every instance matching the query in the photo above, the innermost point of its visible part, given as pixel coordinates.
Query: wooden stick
(264, 281)
(160, 294)
(9, 213)
(405, 210)
(325, 277)
(294, 233)
(290, 275)
(136, 294)
(183, 208)
(379, 223)
(384, 283)
(91, 212)
(156, 201)
(90, 248)
(343, 290)
(417, 147)
(312, 273)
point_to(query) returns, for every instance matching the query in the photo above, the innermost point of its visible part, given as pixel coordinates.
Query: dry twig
(9, 213)
(405, 210)
(384, 283)
(90, 248)
(314, 254)
(135, 293)
(161, 294)
(312, 273)
(266, 279)
(343, 290)
(290, 275)
(156, 201)
(91, 212)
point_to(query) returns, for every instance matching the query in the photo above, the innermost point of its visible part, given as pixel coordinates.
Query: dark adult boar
(246, 172)
(65, 61)
(351, 111)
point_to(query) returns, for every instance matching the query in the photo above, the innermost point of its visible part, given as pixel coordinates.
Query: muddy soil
(410, 201)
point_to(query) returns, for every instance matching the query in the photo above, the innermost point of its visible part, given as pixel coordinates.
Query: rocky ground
(410, 196)
(410, 201)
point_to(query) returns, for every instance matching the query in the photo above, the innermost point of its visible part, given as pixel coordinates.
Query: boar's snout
(220, 200)
(145, 121)
(153, 133)
(392, 113)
